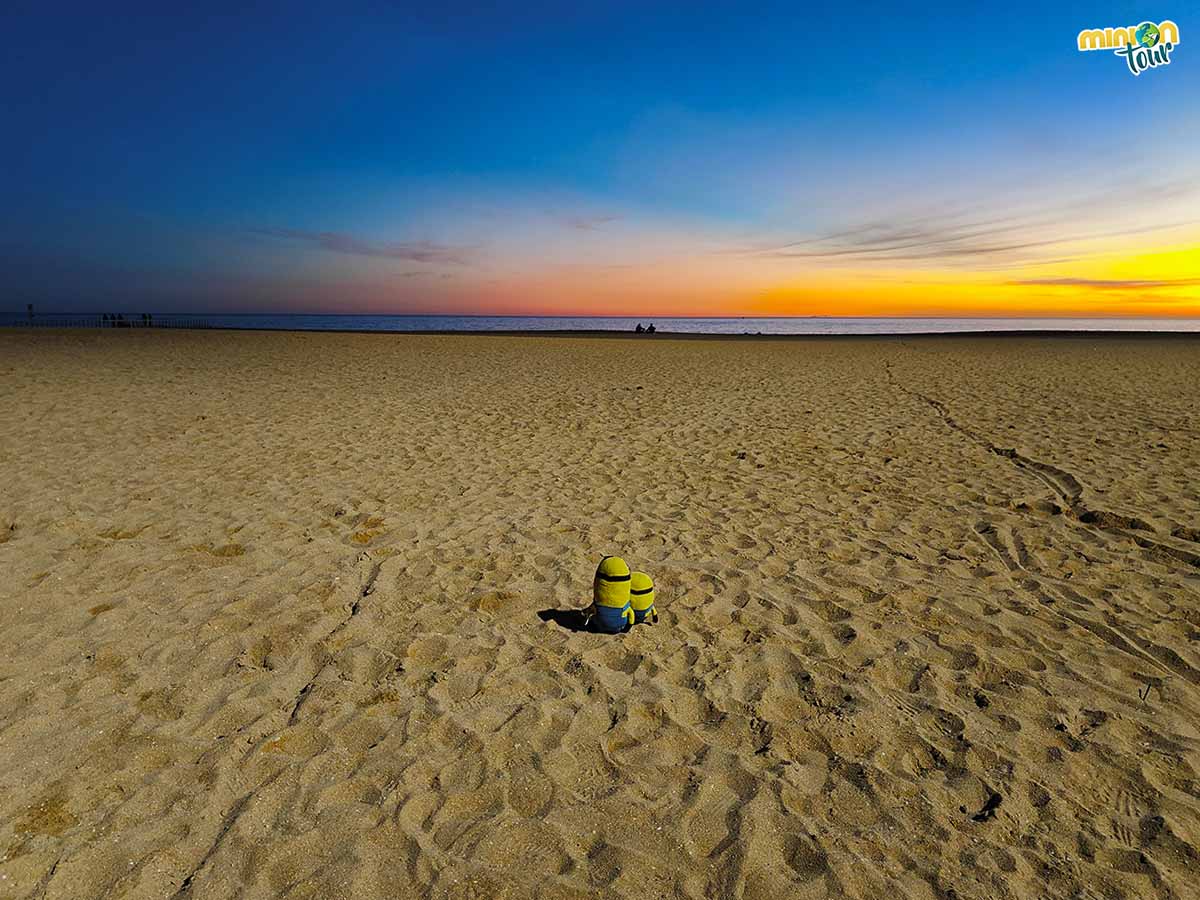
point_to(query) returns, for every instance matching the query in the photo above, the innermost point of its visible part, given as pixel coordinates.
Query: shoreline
(1073, 334)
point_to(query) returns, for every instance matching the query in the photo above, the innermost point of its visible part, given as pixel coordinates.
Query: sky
(611, 158)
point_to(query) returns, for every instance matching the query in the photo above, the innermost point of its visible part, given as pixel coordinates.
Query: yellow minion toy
(611, 611)
(641, 597)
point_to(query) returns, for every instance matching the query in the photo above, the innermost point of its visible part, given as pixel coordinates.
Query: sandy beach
(279, 617)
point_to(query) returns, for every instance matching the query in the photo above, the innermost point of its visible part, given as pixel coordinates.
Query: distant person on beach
(650, 330)
(639, 328)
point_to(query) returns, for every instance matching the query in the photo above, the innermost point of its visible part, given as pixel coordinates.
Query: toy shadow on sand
(570, 619)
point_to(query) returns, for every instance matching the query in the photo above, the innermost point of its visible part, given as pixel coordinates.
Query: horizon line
(444, 315)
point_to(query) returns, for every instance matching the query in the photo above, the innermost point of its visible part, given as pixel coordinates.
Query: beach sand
(270, 615)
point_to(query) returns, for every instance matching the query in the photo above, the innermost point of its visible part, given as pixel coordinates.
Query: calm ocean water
(620, 323)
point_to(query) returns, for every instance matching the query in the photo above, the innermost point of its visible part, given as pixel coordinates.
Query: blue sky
(592, 158)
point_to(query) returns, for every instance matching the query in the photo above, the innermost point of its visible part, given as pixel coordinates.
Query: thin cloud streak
(882, 243)
(1107, 284)
(588, 223)
(959, 240)
(339, 242)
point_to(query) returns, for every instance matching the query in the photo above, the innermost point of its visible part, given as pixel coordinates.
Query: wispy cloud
(1108, 284)
(339, 242)
(968, 242)
(1019, 236)
(588, 223)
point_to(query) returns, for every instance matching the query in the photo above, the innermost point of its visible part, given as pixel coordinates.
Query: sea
(793, 325)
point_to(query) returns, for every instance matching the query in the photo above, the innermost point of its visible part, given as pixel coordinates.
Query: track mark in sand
(1157, 655)
(1138, 648)
(302, 695)
(294, 715)
(1067, 488)
(367, 589)
(1160, 550)
(44, 883)
(227, 823)
(1186, 534)
(1012, 554)
(1008, 548)
(987, 531)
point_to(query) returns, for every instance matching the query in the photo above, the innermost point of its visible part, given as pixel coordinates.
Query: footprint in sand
(707, 822)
